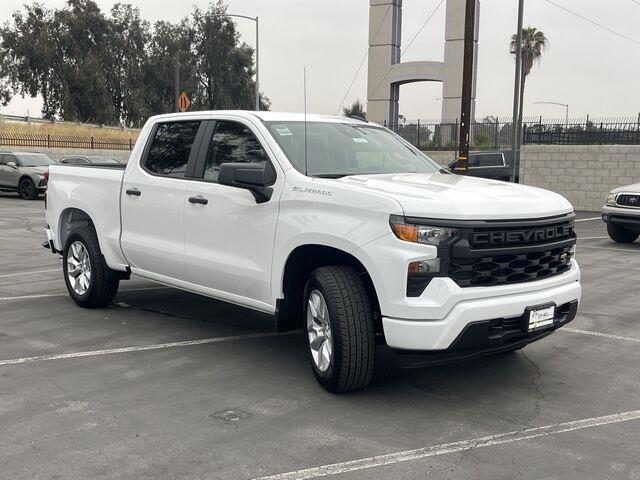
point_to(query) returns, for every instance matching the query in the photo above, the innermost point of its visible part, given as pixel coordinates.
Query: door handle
(198, 199)
(133, 191)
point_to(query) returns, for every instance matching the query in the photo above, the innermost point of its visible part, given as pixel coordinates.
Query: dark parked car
(87, 159)
(24, 173)
(495, 165)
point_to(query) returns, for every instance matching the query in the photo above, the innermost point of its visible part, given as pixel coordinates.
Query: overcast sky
(592, 70)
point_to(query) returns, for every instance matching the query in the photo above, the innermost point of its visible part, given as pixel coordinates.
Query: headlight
(425, 234)
(611, 200)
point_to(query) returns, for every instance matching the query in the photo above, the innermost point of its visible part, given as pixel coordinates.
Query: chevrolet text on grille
(522, 236)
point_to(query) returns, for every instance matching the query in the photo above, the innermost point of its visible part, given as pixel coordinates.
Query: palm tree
(534, 42)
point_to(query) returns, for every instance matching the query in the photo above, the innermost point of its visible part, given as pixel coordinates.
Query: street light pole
(566, 109)
(253, 19)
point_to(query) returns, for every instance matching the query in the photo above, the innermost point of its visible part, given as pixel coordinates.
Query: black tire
(621, 234)
(27, 189)
(352, 328)
(104, 282)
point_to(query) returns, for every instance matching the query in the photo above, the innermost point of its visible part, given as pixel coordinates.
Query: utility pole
(515, 148)
(462, 166)
(177, 82)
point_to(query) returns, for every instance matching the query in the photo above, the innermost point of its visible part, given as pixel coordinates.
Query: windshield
(34, 160)
(338, 149)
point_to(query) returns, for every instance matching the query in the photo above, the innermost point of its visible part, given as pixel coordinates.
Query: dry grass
(67, 130)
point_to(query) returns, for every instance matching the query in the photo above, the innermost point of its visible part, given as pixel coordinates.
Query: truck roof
(266, 116)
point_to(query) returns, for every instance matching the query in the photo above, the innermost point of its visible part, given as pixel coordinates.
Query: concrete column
(385, 29)
(387, 73)
(453, 60)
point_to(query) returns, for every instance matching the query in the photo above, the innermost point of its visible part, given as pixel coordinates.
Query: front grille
(628, 200)
(503, 253)
(509, 268)
(489, 253)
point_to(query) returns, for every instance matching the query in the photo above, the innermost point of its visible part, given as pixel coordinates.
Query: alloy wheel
(319, 331)
(79, 268)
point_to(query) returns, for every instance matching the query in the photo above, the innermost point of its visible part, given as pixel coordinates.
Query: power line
(421, 28)
(364, 57)
(621, 35)
(636, 2)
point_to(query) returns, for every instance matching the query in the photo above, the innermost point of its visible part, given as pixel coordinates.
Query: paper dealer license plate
(541, 317)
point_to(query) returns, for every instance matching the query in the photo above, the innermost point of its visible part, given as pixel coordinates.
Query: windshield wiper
(331, 175)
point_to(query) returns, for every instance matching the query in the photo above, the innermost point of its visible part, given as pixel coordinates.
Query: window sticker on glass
(283, 130)
(360, 140)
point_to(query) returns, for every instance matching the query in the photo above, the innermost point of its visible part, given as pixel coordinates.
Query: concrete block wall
(59, 153)
(584, 174)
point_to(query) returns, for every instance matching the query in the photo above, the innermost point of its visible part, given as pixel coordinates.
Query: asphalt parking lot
(165, 384)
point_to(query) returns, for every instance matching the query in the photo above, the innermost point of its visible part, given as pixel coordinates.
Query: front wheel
(621, 234)
(90, 282)
(27, 189)
(339, 328)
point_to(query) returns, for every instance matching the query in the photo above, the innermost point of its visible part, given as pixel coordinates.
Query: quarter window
(232, 142)
(170, 148)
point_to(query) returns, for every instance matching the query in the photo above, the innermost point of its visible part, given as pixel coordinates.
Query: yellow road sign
(183, 102)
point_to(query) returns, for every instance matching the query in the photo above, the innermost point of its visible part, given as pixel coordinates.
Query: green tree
(356, 108)
(534, 42)
(127, 43)
(115, 69)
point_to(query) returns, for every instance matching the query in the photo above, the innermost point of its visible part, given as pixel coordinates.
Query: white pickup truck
(333, 225)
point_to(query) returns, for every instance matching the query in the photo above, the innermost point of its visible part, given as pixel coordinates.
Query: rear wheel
(90, 282)
(27, 189)
(339, 327)
(621, 234)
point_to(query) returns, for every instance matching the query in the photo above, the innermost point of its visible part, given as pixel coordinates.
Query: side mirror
(11, 164)
(255, 177)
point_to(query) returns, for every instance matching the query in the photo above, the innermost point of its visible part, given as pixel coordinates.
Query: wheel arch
(71, 218)
(301, 261)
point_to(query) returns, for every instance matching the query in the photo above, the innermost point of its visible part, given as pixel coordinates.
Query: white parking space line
(596, 247)
(592, 238)
(34, 272)
(446, 448)
(588, 219)
(49, 295)
(141, 348)
(600, 334)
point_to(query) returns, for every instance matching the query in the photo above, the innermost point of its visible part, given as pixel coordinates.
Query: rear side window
(170, 148)
(486, 160)
(232, 143)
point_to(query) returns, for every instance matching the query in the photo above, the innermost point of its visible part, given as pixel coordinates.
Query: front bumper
(624, 217)
(487, 337)
(441, 334)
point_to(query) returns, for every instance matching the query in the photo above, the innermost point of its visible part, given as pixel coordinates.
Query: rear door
(229, 237)
(153, 199)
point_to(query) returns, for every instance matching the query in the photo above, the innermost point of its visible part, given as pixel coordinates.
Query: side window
(170, 148)
(474, 160)
(490, 160)
(3, 159)
(232, 142)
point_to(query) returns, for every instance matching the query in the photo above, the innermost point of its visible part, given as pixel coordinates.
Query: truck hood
(463, 198)
(633, 188)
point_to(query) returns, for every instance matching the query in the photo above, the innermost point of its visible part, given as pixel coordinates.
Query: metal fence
(56, 141)
(493, 133)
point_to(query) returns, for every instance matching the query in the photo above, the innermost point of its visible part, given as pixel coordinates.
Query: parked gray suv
(24, 173)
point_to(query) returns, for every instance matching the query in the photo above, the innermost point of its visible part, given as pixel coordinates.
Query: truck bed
(94, 189)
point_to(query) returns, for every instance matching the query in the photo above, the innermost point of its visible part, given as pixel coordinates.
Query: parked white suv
(334, 225)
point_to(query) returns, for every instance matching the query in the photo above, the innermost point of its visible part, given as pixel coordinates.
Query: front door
(229, 237)
(153, 200)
